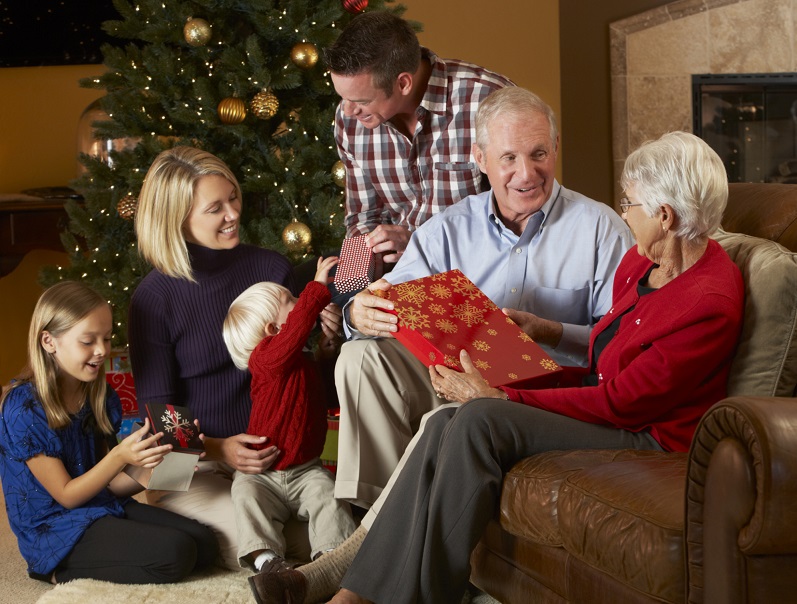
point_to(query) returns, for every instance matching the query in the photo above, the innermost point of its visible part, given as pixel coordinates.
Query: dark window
(750, 120)
(53, 32)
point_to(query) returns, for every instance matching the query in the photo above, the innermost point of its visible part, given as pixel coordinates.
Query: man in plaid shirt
(404, 128)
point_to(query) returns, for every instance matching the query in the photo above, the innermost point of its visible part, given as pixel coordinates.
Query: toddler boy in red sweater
(265, 331)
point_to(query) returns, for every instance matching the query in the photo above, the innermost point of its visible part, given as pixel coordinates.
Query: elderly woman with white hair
(658, 360)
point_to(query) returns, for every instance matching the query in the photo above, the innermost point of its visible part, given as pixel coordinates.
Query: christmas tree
(242, 80)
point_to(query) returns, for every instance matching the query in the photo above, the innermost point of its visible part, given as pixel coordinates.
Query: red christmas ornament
(355, 6)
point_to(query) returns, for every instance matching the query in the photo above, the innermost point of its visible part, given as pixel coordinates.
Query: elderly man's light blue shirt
(560, 268)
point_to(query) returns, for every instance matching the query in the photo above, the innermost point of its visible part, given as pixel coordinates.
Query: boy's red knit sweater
(288, 402)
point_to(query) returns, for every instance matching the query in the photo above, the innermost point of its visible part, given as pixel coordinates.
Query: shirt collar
(545, 209)
(435, 99)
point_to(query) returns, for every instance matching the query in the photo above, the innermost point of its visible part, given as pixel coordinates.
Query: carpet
(218, 586)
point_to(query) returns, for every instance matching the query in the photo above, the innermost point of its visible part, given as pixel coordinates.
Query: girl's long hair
(59, 309)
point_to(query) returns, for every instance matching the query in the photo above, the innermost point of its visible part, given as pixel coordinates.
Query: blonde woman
(187, 224)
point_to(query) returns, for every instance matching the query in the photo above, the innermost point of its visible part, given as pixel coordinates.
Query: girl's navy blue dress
(47, 531)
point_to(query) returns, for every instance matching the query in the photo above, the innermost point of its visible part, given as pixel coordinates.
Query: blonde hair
(58, 310)
(246, 320)
(165, 202)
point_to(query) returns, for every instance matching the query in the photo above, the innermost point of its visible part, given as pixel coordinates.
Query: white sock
(263, 557)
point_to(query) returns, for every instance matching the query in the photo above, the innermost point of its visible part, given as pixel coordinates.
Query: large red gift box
(444, 313)
(357, 266)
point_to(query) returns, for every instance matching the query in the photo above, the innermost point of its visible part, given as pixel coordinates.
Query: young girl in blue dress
(67, 498)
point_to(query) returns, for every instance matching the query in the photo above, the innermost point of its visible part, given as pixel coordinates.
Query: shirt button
(514, 290)
(518, 250)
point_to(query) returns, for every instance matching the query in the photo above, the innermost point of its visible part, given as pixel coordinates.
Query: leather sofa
(717, 524)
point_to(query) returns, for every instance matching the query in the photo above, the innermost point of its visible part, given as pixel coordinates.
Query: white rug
(220, 586)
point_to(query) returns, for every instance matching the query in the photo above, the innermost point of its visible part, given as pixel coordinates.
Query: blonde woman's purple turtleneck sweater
(175, 335)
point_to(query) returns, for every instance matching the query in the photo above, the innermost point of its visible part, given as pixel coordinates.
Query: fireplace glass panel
(750, 120)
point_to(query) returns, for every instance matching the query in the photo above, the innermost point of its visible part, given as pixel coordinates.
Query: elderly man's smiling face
(520, 161)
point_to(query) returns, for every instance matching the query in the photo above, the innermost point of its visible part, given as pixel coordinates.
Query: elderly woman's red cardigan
(669, 361)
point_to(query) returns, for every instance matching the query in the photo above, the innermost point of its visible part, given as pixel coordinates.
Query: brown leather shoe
(278, 584)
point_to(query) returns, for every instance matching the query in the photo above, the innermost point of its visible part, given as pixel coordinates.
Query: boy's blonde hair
(165, 202)
(245, 324)
(60, 308)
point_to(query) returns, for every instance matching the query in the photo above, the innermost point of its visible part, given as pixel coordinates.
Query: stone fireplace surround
(655, 53)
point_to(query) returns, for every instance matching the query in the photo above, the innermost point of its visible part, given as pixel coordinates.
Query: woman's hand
(141, 449)
(332, 321)
(460, 387)
(368, 312)
(235, 452)
(542, 331)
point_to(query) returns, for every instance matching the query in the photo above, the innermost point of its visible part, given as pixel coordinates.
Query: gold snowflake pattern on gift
(465, 287)
(428, 335)
(512, 376)
(446, 326)
(469, 314)
(437, 309)
(412, 318)
(490, 305)
(481, 345)
(525, 337)
(525, 357)
(432, 357)
(549, 364)
(483, 365)
(439, 277)
(451, 361)
(492, 332)
(411, 293)
(440, 291)
(451, 346)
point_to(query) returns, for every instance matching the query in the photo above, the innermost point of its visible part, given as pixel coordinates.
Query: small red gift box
(118, 376)
(444, 313)
(357, 265)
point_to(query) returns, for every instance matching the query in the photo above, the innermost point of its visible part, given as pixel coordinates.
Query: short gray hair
(681, 170)
(245, 324)
(513, 100)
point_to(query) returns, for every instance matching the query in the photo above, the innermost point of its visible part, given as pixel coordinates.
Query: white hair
(245, 324)
(681, 170)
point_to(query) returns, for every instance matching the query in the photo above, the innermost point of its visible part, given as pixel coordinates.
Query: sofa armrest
(740, 494)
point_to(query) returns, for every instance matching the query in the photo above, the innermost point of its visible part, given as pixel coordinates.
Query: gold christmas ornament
(264, 104)
(197, 32)
(232, 110)
(339, 174)
(297, 236)
(127, 207)
(304, 55)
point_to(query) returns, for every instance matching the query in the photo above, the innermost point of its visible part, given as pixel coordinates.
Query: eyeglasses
(625, 204)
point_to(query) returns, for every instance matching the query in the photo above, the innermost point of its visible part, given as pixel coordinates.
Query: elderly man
(404, 128)
(534, 247)
(546, 254)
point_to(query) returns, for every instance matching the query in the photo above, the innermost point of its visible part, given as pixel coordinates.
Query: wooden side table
(27, 223)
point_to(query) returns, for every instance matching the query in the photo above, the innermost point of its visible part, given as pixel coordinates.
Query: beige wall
(39, 112)
(517, 38)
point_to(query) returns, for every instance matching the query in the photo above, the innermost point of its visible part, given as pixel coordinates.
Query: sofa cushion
(531, 489)
(626, 519)
(766, 359)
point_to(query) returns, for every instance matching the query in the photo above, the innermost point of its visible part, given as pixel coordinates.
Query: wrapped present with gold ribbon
(441, 314)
